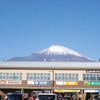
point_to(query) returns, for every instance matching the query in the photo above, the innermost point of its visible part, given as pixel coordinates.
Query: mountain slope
(54, 53)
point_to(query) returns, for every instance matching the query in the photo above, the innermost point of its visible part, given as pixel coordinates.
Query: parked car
(66, 98)
(14, 96)
(46, 96)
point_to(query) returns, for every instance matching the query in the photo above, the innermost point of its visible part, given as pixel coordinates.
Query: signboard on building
(92, 91)
(66, 90)
(92, 83)
(30, 82)
(10, 82)
(38, 82)
(13, 82)
(93, 71)
(41, 82)
(66, 83)
(2, 81)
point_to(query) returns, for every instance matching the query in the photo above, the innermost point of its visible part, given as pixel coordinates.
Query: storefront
(64, 78)
(62, 93)
(91, 93)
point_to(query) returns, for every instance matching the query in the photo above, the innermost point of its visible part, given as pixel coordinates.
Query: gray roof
(57, 65)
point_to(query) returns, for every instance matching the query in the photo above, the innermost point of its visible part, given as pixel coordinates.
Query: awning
(66, 90)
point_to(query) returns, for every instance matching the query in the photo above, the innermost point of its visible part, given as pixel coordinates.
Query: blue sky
(28, 26)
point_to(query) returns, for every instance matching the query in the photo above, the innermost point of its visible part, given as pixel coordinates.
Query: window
(91, 77)
(66, 77)
(38, 76)
(10, 76)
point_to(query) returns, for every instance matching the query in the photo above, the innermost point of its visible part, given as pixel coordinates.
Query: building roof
(50, 65)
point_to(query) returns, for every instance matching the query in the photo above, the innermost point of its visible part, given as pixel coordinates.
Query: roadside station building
(66, 78)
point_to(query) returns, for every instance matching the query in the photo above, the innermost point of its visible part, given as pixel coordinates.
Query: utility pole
(52, 85)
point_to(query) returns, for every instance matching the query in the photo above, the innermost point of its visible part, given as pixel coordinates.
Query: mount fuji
(55, 53)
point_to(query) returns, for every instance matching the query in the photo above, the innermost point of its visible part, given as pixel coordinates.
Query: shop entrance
(89, 96)
(70, 94)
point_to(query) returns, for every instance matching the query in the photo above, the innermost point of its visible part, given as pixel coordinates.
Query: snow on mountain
(55, 53)
(59, 50)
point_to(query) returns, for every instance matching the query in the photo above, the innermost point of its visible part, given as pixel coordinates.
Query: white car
(46, 96)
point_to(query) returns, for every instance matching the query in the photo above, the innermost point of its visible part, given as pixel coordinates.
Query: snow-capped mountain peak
(55, 53)
(59, 50)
